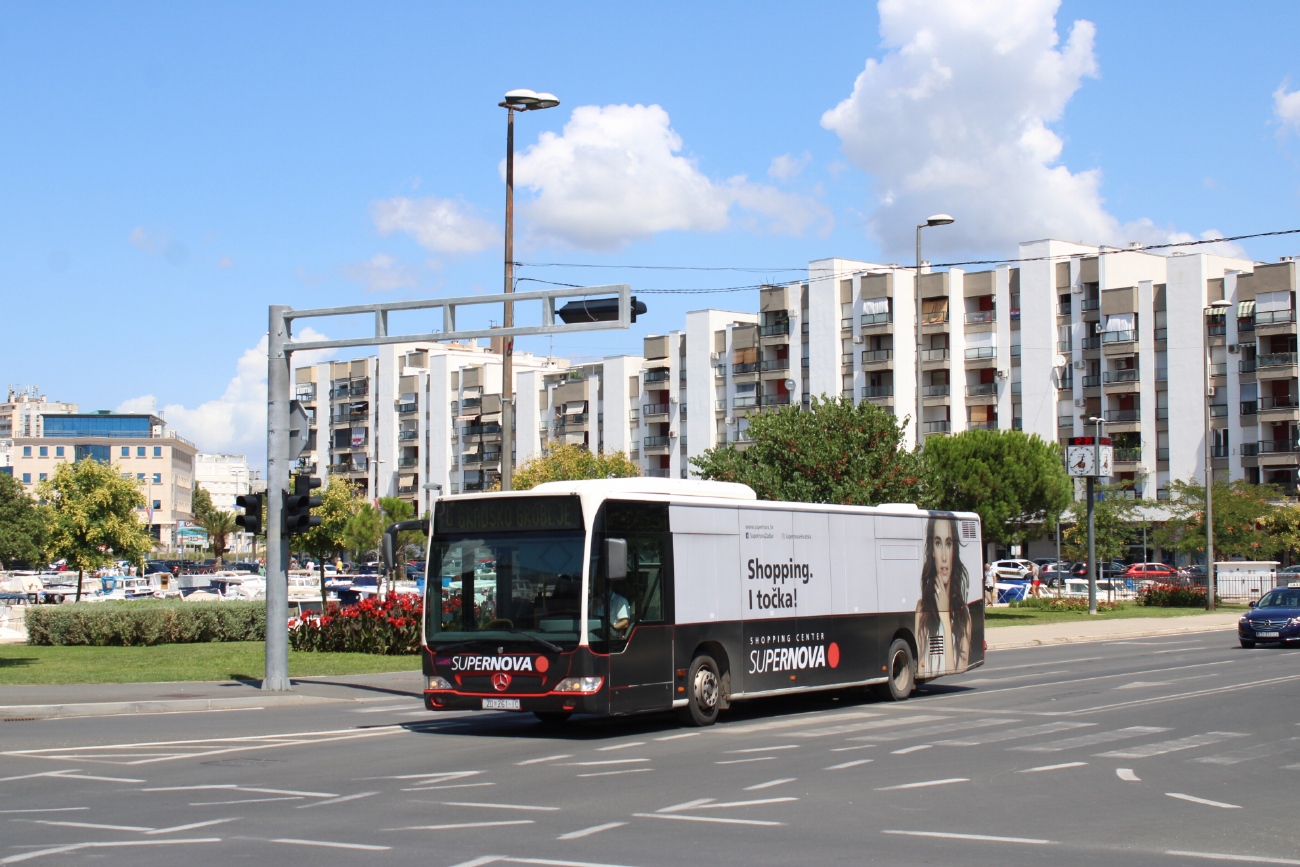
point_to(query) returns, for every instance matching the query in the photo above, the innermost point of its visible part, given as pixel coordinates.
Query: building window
(126, 451)
(27, 478)
(139, 477)
(27, 451)
(139, 451)
(157, 452)
(157, 504)
(43, 477)
(45, 451)
(157, 478)
(58, 451)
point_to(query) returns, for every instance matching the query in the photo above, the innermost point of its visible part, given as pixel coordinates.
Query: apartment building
(224, 477)
(139, 446)
(22, 411)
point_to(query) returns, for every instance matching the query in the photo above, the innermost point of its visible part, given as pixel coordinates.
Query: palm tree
(219, 525)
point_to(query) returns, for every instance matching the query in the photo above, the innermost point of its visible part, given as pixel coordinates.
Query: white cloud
(788, 166)
(955, 118)
(380, 273)
(1286, 107)
(616, 174)
(439, 225)
(158, 244)
(234, 423)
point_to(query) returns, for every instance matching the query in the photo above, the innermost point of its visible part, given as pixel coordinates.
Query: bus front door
(641, 654)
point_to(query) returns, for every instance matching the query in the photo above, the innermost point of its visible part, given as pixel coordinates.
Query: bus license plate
(1266, 635)
(500, 704)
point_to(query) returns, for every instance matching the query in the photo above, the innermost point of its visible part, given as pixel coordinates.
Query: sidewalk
(1012, 637)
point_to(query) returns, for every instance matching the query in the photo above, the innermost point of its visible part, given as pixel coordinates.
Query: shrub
(144, 623)
(1174, 596)
(1063, 603)
(390, 627)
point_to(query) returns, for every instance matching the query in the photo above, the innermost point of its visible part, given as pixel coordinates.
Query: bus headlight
(584, 685)
(436, 682)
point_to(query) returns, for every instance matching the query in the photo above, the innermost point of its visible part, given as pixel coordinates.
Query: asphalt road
(1179, 750)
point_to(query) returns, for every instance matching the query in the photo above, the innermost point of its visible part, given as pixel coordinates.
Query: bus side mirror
(616, 559)
(386, 553)
(387, 550)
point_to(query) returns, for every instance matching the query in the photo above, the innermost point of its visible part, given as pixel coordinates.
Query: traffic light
(596, 310)
(298, 505)
(251, 520)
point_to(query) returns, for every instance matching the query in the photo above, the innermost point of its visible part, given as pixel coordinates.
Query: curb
(32, 712)
(1109, 636)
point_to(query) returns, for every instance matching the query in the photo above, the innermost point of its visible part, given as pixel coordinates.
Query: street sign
(299, 429)
(1089, 456)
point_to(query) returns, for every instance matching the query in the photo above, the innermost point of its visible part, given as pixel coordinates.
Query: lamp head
(529, 100)
(939, 220)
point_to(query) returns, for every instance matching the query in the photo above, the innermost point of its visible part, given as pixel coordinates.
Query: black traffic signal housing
(298, 505)
(251, 520)
(596, 310)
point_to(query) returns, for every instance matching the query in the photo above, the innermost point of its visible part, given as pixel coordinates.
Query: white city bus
(620, 596)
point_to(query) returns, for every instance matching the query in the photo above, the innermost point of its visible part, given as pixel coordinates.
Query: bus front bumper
(436, 699)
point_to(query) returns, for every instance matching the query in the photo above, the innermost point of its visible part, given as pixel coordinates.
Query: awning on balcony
(1245, 309)
(1121, 322)
(874, 306)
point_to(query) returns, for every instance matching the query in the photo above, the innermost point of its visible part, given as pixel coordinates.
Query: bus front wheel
(704, 687)
(902, 672)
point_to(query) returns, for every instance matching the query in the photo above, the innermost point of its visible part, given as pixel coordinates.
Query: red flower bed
(1166, 595)
(389, 626)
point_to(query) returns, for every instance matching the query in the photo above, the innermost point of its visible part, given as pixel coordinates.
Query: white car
(1013, 568)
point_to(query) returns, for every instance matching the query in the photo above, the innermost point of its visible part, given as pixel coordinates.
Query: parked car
(1196, 573)
(1275, 617)
(1291, 570)
(1150, 572)
(1013, 569)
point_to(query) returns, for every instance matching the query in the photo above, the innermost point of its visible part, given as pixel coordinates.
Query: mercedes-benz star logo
(501, 681)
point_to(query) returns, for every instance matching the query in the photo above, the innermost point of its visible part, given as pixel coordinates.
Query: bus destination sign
(507, 515)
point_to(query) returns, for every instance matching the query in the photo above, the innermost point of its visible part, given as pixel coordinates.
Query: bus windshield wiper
(555, 648)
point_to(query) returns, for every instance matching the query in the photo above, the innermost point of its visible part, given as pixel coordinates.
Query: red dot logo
(542, 664)
(833, 655)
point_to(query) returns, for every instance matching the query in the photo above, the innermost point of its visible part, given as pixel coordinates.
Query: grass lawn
(1002, 616)
(231, 660)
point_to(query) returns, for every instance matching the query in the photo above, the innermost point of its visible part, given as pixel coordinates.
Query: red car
(1151, 571)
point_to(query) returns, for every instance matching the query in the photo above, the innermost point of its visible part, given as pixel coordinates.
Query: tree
(1116, 522)
(1015, 483)
(1242, 514)
(362, 531)
(396, 509)
(219, 526)
(833, 452)
(564, 463)
(1283, 527)
(23, 530)
(201, 505)
(339, 502)
(93, 516)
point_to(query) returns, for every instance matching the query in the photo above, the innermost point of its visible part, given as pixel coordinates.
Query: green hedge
(1175, 596)
(145, 622)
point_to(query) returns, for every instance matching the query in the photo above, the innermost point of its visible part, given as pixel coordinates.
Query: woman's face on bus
(941, 549)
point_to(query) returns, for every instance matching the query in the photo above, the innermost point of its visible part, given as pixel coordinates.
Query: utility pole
(277, 485)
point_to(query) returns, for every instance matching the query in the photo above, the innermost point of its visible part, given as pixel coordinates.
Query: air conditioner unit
(1078, 401)
(1077, 288)
(713, 356)
(1233, 349)
(1210, 391)
(728, 420)
(672, 398)
(858, 339)
(1096, 328)
(672, 434)
(1078, 365)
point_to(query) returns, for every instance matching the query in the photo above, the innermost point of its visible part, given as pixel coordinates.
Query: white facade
(224, 477)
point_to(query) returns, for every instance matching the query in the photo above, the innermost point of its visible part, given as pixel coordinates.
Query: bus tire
(704, 692)
(552, 717)
(902, 672)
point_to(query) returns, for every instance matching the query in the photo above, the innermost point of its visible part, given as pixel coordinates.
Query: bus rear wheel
(704, 693)
(902, 672)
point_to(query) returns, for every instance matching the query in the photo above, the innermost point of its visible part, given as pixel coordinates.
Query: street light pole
(1100, 423)
(936, 220)
(515, 100)
(1209, 464)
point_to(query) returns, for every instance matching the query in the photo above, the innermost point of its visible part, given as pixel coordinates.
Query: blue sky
(167, 170)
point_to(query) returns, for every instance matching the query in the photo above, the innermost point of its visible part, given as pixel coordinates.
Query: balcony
(1245, 325)
(982, 425)
(1066, 383)
(779, 329)
(936, 390)
(1269, 403)
(743, 401)
(1249, 407)
(934, 354)
(658, 473)
(1218, 370)
(1015, 350)
(1161, 334)
(1117, 376)
(660, 374)
(1162, 494)
(471, 403)
(748, 367)
(1218, 410)
(1017, 387)
(407, 435)
(1274, 317)
(657, 442)
(982, 389)
(471, 430)
(1220, 452)
(872, 319)
(1162, 374)
(982, 352)
(407, 408)
(650, 409)
(981, 317)
(1089, 305)
(492, 457)
(1274, 447)
(1162, 413)
(1065, 421)
(876, 356)
(873, 391)
(1127, 455)
(1089, 343)
(1123, 415)
(1092, 381)
(1064, 308)
(1108, 337)
(774, 364)
(305, 393)
(1276, 359)
(408, 462)
(720, 371)
(779, 399)
(1162, 454)
(1246, 365)
(1215, 326)
(936, 427)
(1064, 346)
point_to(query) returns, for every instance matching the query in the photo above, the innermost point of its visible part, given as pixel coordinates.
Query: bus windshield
(493, 583)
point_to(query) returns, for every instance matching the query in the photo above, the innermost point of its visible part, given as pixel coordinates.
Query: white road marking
(1059, 767)
(587, 832)
(1180, 796)
(605, 762)
(385, 709)
(1219, 856)
(615, 773)
(923, 785)
(847, 749)
(547, 862)
(770, 783)
(1160, 748)
(355, 797)
(459, 825)
(765, 749)
(1160, 699)
(944, 728)
(498, 806)
(745, 761)
(682, 735)
(452, 786)
(1091, 739)
(844, 765)
(708, 804)
(1013, 735)
(718, 819)
(984, 838)
(686, 805)
(803, 719)
(988, 680)
(361, 846)
(74, 847)
(34, 776)
(242, 801)
(849, 728)
(190, 827)
(56, 823)
(50, 810)
(1041, 664)
(232, 787)
(1127, 775)
(541, 759)
(621, 746)
(441, 776)
(1258, 751)
(912, 749)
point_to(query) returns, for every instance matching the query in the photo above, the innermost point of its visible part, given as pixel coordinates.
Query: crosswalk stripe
(1159, 748)
(1257, 751)
(944, 728)
(871, 725)
(1016, 734)
(1092, 739)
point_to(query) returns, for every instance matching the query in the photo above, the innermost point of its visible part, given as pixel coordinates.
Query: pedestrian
(990, 584)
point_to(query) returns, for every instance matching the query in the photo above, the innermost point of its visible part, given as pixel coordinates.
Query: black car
(1275, 617)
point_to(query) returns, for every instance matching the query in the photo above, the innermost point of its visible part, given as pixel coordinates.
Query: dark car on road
(1274, 618)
